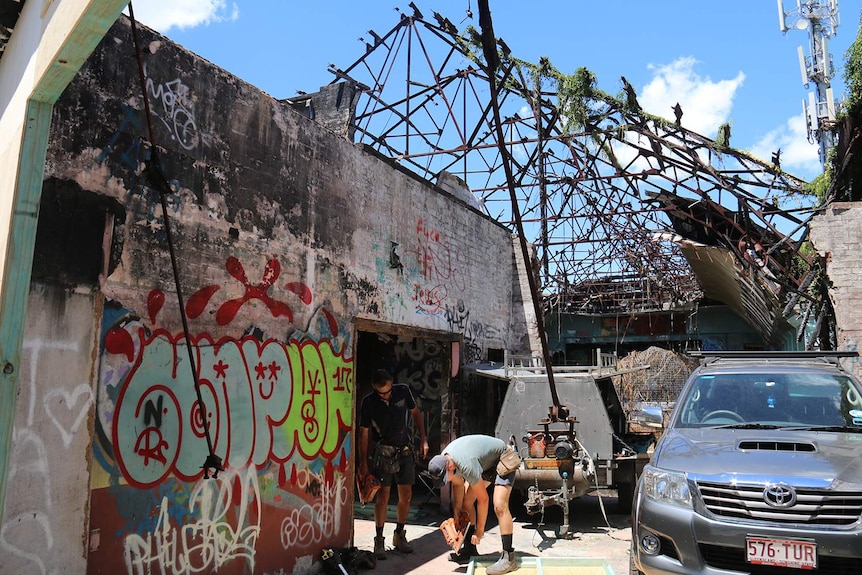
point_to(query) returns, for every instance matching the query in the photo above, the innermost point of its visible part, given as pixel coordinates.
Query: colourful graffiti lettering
(261, 402)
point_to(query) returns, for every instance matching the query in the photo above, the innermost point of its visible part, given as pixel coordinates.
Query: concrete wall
(285, 234)
(836, 235)
(523, 311)
(46, 514)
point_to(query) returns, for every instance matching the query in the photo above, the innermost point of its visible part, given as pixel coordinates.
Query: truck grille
(812, 507)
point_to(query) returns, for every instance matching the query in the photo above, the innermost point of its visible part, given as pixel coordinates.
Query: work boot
(468, 551)
(399, 540)
(504, 564)
(379, 548)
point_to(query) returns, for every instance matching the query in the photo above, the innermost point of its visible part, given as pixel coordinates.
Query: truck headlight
(666, 486)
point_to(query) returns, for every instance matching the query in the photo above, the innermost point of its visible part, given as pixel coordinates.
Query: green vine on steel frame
(156, 178)
(576, 93)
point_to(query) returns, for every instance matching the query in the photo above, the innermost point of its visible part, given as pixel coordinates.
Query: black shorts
(406, 474)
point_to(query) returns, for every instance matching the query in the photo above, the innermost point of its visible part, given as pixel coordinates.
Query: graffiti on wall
(477, 335)
(442, 276)
(423, 365)
(279, 414)
(56, 414)
(439, 264)
(292, 399)
(211, 540)
(174, 106)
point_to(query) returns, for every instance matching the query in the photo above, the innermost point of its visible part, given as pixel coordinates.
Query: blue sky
(723, 61)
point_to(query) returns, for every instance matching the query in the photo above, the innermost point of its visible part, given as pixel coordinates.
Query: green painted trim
(82, 40)
(96, 18)
(19, 265)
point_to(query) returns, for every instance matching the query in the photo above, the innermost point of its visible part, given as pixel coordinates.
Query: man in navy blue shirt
(383, 415)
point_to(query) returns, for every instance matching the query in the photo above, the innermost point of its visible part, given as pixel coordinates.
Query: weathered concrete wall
(45, 517)
(836, 236)
(523, 311)
(285, 234)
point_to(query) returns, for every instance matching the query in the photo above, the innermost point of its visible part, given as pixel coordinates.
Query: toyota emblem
(779, 496)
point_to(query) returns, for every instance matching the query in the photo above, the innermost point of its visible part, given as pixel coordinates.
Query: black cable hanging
(156, 179)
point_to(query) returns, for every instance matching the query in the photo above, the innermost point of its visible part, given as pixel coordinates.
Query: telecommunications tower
(820, 19)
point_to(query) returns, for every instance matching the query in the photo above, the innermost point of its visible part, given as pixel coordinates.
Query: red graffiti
(199, 300)
(155, 301)
(333, 325)
(221, 369)
(428, 233)
(151, 445)
(301, 290)
(119, 341)
(259, 291)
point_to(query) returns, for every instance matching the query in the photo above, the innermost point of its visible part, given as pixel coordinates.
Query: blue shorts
(507, 480)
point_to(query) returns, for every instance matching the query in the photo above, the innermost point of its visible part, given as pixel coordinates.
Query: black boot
(468, 550)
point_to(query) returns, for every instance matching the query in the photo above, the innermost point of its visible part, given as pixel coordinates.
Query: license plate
(781, 552)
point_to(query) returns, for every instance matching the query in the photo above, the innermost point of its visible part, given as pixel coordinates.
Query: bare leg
(405, 493)
(501, 509)
(380, 505)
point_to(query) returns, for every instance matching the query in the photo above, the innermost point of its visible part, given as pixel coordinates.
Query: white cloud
(798, 155)
(162, 15)
(705, 104)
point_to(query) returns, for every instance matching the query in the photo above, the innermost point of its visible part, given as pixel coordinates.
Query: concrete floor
(589, 537)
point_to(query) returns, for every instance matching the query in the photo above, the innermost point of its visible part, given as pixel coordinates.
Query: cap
(438, 467)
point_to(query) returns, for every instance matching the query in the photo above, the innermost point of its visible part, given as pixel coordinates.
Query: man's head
(439, 467)
(382, 383)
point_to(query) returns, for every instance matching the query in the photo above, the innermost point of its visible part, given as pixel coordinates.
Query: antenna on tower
(820, 19)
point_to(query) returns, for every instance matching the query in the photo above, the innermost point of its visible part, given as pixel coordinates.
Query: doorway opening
(423, 360)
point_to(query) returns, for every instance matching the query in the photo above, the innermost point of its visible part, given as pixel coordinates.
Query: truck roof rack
(830, 356)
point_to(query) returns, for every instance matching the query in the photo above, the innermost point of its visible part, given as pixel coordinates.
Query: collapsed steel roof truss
(606, 202)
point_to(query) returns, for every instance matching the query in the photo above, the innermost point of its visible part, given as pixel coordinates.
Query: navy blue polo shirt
(388, 420)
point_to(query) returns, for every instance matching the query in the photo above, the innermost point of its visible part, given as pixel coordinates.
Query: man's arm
(480, 490)
(458, 487)
(363, 451)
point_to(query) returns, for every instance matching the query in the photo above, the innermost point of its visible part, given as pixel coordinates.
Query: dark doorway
(422, 359)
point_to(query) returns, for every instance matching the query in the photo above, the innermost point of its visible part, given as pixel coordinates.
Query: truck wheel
(625, 494)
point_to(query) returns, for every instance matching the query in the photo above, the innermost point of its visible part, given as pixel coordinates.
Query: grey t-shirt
(475, 454)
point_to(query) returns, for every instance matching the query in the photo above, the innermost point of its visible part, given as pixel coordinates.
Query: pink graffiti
(437, 257)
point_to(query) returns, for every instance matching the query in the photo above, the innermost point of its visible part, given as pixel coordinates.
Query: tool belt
(509, 462)
(387, 458)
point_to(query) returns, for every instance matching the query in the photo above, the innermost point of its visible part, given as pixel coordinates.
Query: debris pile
(659, 385)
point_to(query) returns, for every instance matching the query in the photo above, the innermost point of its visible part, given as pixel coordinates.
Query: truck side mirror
(648, 416)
